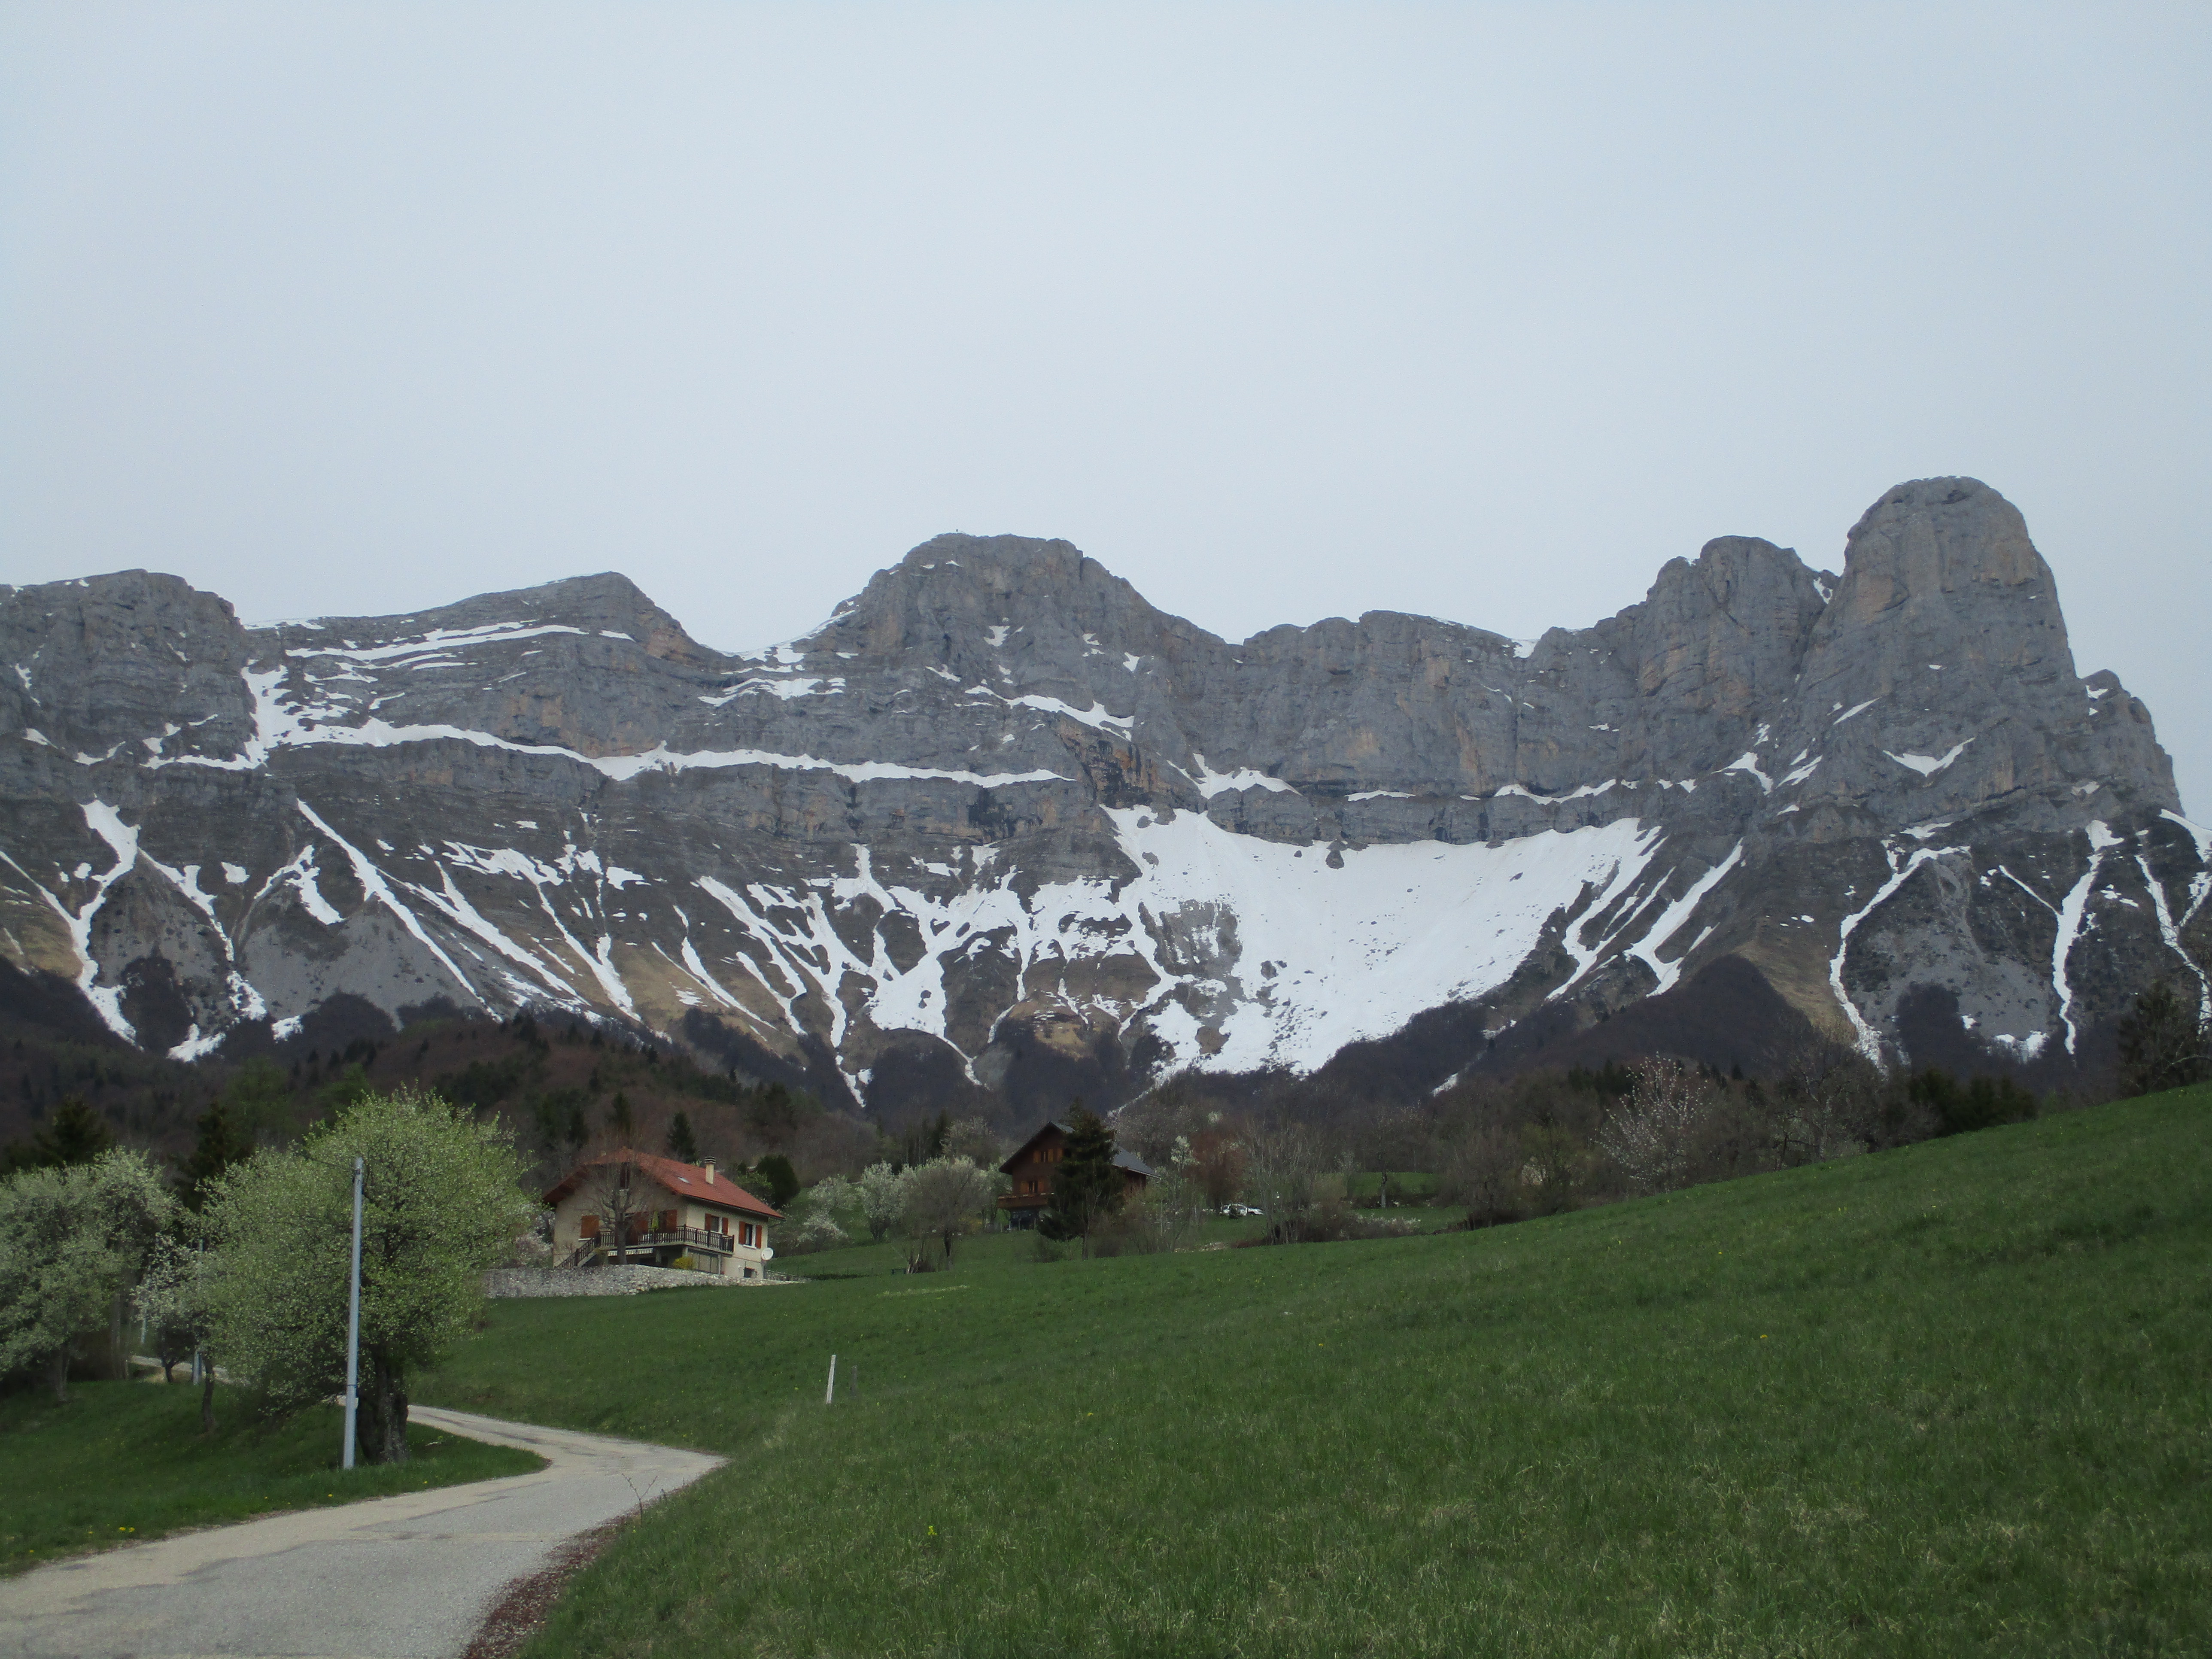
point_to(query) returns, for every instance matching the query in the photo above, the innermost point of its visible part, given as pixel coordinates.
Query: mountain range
(1000, 831)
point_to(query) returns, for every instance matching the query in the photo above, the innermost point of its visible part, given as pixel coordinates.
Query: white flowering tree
(881, 1200)
(813, 1220)
(441, 1202)
(72, 1240)
(1653, 1133)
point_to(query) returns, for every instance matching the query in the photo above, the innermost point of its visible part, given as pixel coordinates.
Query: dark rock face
(1000, 830)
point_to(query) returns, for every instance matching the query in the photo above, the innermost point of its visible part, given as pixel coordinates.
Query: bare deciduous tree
(617, 1198)
(2162, 1043)
(974, 1140)
(1831, 1100)
(1150, 1126)
(1172, 1214)
(1280, 1161)
(1482, 1171)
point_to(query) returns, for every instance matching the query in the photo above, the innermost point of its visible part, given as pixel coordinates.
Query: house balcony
(648, 1246)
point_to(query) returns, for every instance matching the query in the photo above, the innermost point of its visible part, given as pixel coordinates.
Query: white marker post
(830, 1394)
(353, 1327)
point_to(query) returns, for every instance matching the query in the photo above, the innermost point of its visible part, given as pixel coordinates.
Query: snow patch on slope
(1212, 783)
(278, 726)
(123, 841)
(1869, 1043)
(1674, 916)
(1929, 765)
(1397, 930)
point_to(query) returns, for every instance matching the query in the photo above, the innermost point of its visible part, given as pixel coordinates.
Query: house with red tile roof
(666, 1214)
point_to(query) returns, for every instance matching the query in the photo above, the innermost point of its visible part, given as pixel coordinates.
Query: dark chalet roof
(685, 1180)
(1123, 1159)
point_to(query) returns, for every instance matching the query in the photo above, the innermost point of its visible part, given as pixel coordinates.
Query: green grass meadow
(122, 1462)
(1952, 1399)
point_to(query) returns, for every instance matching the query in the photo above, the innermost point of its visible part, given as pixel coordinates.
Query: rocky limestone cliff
(1001, 828)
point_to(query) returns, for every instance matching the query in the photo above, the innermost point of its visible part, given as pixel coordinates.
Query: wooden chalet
(1037, 1161)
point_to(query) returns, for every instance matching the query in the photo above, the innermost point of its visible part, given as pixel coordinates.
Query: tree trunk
(207, 1400)
(57, 1372)
(381, 1425)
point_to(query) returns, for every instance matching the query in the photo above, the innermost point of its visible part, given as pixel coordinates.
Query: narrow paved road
(406, 1577)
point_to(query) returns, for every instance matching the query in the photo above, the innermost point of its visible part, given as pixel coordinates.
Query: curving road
(406, 1577)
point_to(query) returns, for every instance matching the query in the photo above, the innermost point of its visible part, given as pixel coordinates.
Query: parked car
(1242, 1209)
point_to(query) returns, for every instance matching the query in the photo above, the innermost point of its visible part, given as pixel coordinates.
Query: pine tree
(682, 1146)
(1088, 1186)
(220, 1143)
(618, 1117)
(75, 1136)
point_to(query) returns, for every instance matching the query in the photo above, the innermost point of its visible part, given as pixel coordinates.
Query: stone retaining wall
(591, 1281)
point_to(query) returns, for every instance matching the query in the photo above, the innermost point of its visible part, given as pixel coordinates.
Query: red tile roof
(685, 1180)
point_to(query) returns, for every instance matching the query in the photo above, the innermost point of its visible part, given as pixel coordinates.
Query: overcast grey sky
(1281, 312)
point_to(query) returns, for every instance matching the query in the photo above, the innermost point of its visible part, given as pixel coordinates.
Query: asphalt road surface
(406, 1577)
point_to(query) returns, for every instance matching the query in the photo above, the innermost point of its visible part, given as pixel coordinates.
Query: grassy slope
(122, 1462)
(1945, 1400)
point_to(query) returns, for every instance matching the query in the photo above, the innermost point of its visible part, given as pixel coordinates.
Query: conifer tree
(683, 1145)
(220, 1143)
(75, 1135)
(1088, 1185)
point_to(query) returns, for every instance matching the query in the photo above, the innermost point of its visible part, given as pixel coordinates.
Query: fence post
(830, 1394)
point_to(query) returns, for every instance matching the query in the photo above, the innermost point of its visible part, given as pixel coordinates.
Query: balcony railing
(691, 1238)
(720, 1244)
